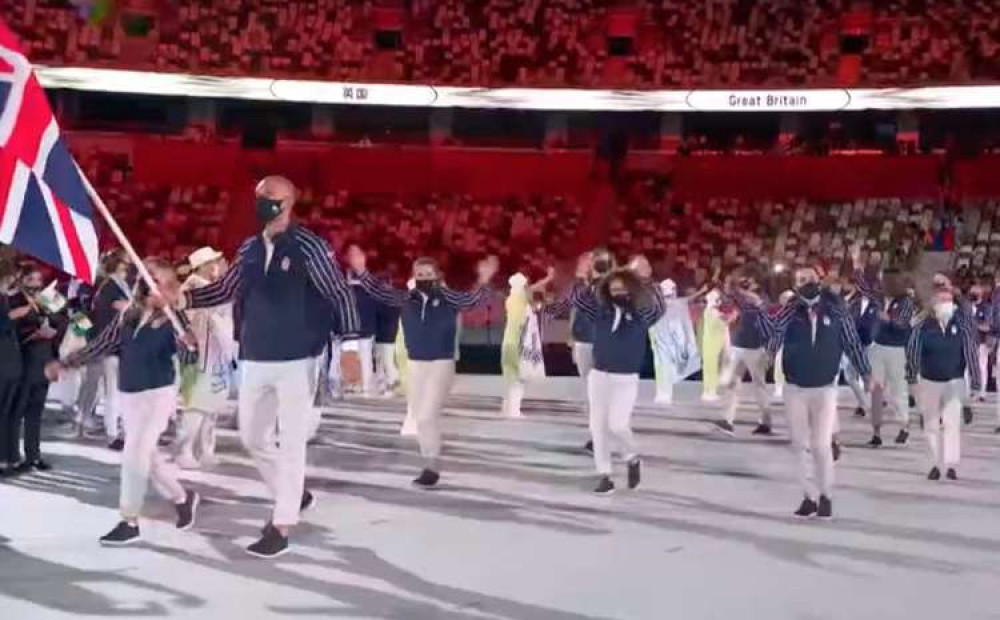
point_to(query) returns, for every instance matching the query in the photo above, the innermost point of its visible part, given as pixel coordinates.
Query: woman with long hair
(146, 344)
(622, 310)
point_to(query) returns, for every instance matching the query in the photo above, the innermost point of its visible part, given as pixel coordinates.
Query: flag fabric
(45, 210)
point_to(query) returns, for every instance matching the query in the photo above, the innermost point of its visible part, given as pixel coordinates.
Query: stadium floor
(515, 534)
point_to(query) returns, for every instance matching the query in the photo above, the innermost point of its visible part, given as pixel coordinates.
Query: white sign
(314, 91)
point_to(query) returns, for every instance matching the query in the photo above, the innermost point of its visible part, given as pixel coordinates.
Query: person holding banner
(674, 344)
(149, 348)
(284, 280)
(622, 310)
(430, 315)
(521, 357)
(714, 340)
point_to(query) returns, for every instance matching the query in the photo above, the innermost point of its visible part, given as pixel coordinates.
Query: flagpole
(127, 246)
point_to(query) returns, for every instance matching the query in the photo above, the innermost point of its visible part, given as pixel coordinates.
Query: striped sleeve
(557, 308)
(971, 352)
(653, 312)
(381, 291)
(850, 341)
(779, 325)
(872, 289)
(583, 299)
(223, 290)
(466, 300)
(106, 343)
(913, 352)
(904, 312)
(327, 277)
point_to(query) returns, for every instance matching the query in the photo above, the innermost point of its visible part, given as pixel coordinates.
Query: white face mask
(944, 311)
(668, 288)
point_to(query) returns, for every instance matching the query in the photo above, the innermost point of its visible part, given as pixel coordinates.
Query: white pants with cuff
(583, 358)
(386, 373)
(941, 405)
(512, 399)
(753, 361)
(612, 399)
(984, 351)
(278, 393)
(812, 419)
(428, 385)
(889, 384)
(366, 356)
(146, 416)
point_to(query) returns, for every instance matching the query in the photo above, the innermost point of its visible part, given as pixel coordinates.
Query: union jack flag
(45, 210)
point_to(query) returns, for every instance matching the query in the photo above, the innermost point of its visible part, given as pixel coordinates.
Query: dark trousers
(8, 406)
(27, 412)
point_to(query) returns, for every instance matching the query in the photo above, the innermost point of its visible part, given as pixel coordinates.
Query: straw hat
(203, 256)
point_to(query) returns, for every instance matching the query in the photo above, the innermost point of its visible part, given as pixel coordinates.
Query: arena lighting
(353, 93)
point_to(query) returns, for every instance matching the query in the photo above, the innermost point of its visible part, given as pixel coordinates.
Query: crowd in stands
(674, 43)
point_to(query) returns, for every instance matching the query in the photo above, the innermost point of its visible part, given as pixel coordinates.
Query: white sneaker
(709, 398)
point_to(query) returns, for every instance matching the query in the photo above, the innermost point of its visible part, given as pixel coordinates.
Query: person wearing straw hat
(205, 384)
(284, 279)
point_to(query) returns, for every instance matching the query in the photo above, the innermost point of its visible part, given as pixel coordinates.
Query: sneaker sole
(723, 431)
(122, 543)
(611, 492)
(265, 556)
(194, 514)
(803, 517)
(819, 518)
(424, 487)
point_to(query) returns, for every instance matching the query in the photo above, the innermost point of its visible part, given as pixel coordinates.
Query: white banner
(425, 95)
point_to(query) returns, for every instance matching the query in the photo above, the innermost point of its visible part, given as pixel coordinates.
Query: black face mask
(602, 266)
(267, 209)
(622, 301)
(426, 286)
(809, 291)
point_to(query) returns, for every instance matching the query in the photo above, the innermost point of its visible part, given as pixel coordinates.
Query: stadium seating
(585, 43)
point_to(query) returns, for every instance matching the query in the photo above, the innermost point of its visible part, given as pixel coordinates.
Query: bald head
(279, 189)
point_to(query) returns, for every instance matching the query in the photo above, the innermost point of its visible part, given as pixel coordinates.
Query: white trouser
(583, 358)
(743, 360)
(665, 378)
(386, 374)
(333, 369)
(278, 392)
(854, 381)
(112, 409)
(366, 355)
(612, 398)
(812, 417)
(512, 399)
(146, 416)
(941, 405)
(889, 384)
(428, 385)
(984, 367)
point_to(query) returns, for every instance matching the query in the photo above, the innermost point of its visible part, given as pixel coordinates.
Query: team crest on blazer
(826, 321)
(954, 330)
(436, 303)
(286, 263)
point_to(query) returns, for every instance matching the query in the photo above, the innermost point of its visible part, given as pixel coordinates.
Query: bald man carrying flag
(286, 284)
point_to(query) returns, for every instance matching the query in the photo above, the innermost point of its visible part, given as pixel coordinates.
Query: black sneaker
(117, 444)
(997, 430)
(913, 402)
(308, 501)
(187, 511)
(934, 474)
(902, 437)
(967, 416)
(427, 479)
(825, 509)
(272, 543)
(588, 447)
(604, 486)
(835, 448)
(123, 534)
(36, 465)
(951, 474)
(763, 429)
(725, 428)
(859, 412)
(806, 509)
(634, 472)
(875, 442)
